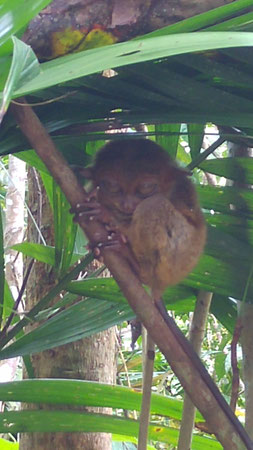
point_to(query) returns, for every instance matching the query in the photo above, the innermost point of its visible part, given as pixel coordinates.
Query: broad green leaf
(170, 82)
(15, 14)
(8, 304)
(177, 298)
(229, 248)
(236, 169)
(5, 62)
(169, 142)
(65, 230)
(24, 67)
(87, 393)
(226, 199)
(240, 227)
(216, 70)
(43, 253)
(8, 445)
(31, 158)
(74, 421)
(220, 277)
(195, 136)
(92, 61)
(225, 310)
(220, 365)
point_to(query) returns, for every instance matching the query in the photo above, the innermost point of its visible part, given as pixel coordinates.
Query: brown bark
(71, 21)
(197, 332)
(13, 234)
(87, 359)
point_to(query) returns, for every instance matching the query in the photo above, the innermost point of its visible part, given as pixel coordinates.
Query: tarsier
(151, 211)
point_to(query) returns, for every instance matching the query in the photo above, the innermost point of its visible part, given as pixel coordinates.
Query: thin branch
(197, 332)
(202, 156)
(234, 365)
(18, 300)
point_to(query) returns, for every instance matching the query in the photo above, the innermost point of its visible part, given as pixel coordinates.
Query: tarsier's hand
(91, 209)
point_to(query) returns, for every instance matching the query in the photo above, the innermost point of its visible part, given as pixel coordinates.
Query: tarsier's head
(130, 170)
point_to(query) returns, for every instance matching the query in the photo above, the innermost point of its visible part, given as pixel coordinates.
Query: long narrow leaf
(24, 67)
(62, 421)
(82, 319)
(87, 393)
(170, 142)
(45, 300)
(203, 20)
(92, 61)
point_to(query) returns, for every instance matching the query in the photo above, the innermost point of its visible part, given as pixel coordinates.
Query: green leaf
(87, 393)
(43, 253)
(243, 22)
(31, 158)
(237, 169)
(8, 445)
(195, 135)
(169, 142)
(203, 20)
(15, 14)
(65, 230)
(227, 200)
(220, 365)
(74, 421)
(80, 320)
(40, 252)
(92, 61)
(8, 303)
(24, 67)
(83, 393)
(177, 298)
(45, 300)
(240, 227)
(225, 310)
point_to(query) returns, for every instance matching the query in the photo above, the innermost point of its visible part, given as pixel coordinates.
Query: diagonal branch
(177, 350)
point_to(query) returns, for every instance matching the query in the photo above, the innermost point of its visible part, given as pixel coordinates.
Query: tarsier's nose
(129, 204)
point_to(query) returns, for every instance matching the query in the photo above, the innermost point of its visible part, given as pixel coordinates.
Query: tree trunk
(13, 234)
(88, 359)
(74, 25)
(197, 332)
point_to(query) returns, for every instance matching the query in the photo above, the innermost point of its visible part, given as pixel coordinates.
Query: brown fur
(154, 205)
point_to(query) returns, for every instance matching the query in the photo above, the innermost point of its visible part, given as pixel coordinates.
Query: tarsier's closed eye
(147, 188)
(110, 186)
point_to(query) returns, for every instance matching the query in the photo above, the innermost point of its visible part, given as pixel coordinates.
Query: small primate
(151, 211)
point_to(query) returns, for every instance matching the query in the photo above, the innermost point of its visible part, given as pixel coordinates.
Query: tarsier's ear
(178, 172)
(85, 172)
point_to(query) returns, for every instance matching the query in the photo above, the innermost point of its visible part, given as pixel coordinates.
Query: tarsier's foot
(115, 241)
